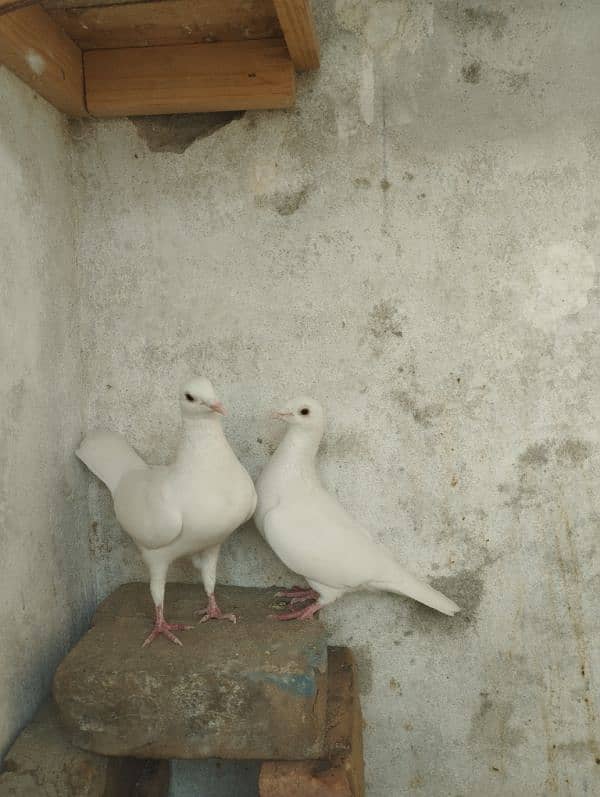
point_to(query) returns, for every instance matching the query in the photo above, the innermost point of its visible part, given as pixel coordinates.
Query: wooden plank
(227, 76)
(169, 22)
(298, 26)
(41, 54)
(89, 3)
(7, 6)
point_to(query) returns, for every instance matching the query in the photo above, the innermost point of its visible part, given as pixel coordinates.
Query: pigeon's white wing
(147, 508)
(316, 538)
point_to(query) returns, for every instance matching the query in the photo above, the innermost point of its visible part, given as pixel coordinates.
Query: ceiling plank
(89, 3)
(42, 55)
(6, 6)
(226, 76)
(168, 22)
(298, 26)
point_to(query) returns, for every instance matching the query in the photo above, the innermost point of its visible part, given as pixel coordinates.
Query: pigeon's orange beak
(216, 406)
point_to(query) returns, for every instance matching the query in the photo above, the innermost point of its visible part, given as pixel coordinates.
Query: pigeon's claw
(298, 614)
(297, 594)
(212, 612)
(166, 629)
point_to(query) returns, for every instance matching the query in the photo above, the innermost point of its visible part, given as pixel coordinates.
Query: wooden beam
(6, 6)
(228, 76)
(89, 3)
(41, 54)
(298, 26)
(168, 22)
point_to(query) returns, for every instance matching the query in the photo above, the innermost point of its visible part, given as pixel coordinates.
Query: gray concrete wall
(416, 244)
(45, 581)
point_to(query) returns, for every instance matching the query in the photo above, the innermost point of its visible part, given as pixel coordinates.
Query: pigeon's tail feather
(404, 583)
(109, 456)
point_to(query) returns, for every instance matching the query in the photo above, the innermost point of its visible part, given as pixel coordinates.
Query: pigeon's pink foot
(297, 594)
(212, 612)
(300, 614)
(162, 627)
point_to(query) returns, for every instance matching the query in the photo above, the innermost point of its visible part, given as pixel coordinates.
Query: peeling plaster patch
(563, 274)
(36, 62)
(367, 89)
(385, 25)
(176, 132)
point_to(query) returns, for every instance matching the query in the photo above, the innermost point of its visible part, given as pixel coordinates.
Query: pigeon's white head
(198, 398)
(303, 412)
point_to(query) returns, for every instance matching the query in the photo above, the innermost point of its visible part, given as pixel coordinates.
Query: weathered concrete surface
(43, 763)
(46, 583)
(340, 773)
(253, 690)
(417, 244)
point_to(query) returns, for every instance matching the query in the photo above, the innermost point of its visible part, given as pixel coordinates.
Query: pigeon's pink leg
(299, 614)
(297, 594)
(212, 611)
(162, 627)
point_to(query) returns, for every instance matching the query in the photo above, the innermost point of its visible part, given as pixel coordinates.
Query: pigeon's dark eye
(304, 411)
(189, 397)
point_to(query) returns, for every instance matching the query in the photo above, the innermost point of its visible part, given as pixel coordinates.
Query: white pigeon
(188, 508)
(312, 533)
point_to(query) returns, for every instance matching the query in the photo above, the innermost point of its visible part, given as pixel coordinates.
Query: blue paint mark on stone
(300, 685)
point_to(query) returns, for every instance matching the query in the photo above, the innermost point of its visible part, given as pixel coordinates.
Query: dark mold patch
(176, 132)
(361, 182)
(345, 445)
(491, 725)
(383, 320)
(485, 19)
(534, 456)
(465, 589)
(285, 203)
(471, 73)
(516, 81)
(572, 451)
(80, 129)
(422, 414)
(385, 184)
(475, 19)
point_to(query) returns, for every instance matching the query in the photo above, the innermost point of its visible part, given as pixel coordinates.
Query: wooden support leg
(341, 773)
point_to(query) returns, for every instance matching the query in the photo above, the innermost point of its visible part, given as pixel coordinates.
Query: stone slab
(43, 763)
(254, 690)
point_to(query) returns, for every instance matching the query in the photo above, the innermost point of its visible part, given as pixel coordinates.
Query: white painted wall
(416, 244)
(46, 589)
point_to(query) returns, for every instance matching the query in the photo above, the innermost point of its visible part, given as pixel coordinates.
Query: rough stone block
(254, 690)
(340, 773)
(43, 763)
